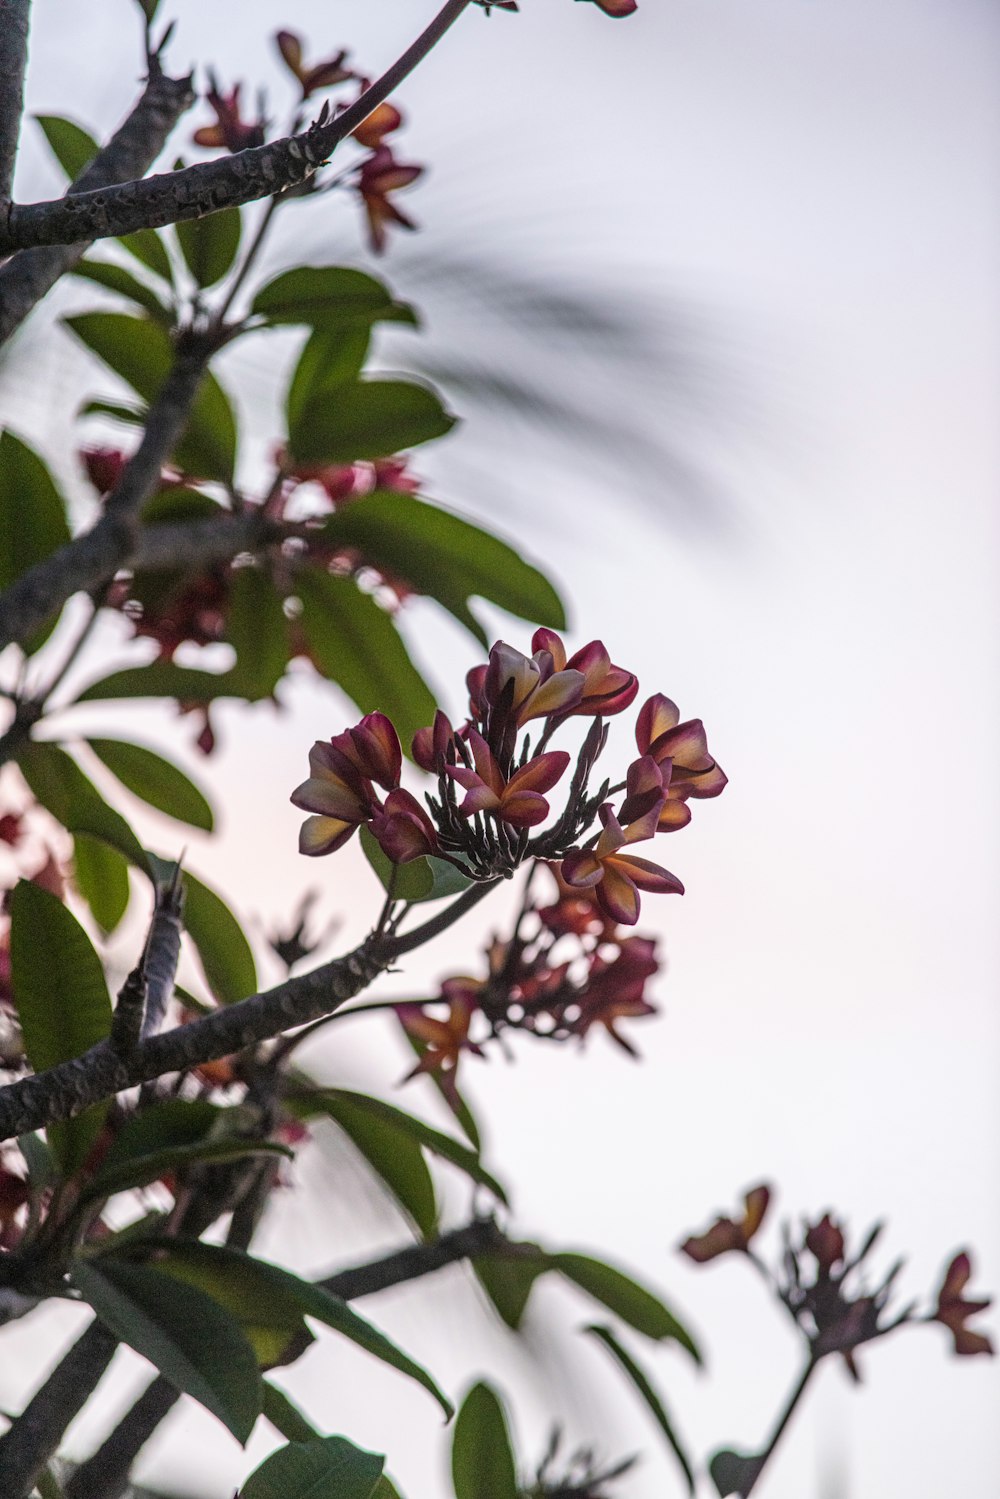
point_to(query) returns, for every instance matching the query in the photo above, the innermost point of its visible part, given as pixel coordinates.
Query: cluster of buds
(504, 817)
(822, 1285)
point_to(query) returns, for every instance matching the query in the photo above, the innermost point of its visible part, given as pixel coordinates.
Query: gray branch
(130, 152)
(14, 22)
(245, 177)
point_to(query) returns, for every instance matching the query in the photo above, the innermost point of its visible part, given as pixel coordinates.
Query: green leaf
(154, 780)
(394, 1157)
(168, 1137)
(72, 146)
(116, 278)
(734, 1472)
(397, 1125)
(33, 521)
(140, 353)
(60, 785)
(210, 244)
(149, 9)
(257, 1283)
(385, 1489)
(329, 297)
(147, 246)
(185, 1333)
(369, 419)
(633, 1303)
(419, 879)
(38, 1159)
(161, 679)
(258, 631)
(328, 1468)
(482, 1459)
(224, 951)
(444, 557)
(100, 873)
(286, 1417)
(508, 1283)
(178, 505)
(327, 361)
(132, 416)
(642, 1383)
(62, 1002)
(355, 644)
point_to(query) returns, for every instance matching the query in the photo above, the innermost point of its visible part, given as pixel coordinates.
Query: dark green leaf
(62, 1002)
(32, 516)
(444, 557)
(327, 361)
(116, 278)
(329, 297)
(355, 644)
(38, 1159)
(148, 248)
(101, 876)
(132, 416)
(210, 244)
(395, 1158)
(140, 353)
(633, 1303)
(256, 1283)
(641, 1382)
(385, 1489)
(161, 679)
(224, 951)
(149, 9)
(417, 880)
(508, 1283)
(155, 780)
(61, 786)
(396, 1124)
(185, 1333)
(328, 1468)
(369, 419)
(733, 1472)
(482, 1459)
(258, 631)
(72, 146)
(286, 1417)
(178, 505)
(168, 1137)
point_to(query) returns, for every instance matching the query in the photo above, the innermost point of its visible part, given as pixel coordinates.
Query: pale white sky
(807, 182)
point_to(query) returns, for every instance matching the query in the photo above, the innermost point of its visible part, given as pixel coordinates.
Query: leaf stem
(783, 1420)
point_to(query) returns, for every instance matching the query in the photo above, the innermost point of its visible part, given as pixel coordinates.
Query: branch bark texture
(14, 21)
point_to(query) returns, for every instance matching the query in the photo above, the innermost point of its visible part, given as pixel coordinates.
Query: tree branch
(129, 153)
(37, 1432)
(259, 172)
(202, 543)
(14, 21)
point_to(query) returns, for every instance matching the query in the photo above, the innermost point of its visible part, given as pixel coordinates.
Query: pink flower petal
(525, 809)
(645, 874)
(582, 869)
(321, 835)
(656, 716)
(539, 774)
(618, 897)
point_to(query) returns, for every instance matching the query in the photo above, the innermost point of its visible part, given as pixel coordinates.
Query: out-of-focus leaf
(259, 1284)
(32, 517)
(161, 679)
(117, 411)
(116, 278)
(482, 1458)
(733, 1472)
(154, 780)
(178, 505)
(62, 1001)
(450, 1096)
(140, 353)
(183, 1332)
(258, 631)
(61, 786)
(327, 1468)
(444, 557)
(39, 1161)
(631, 1302)
(396, 1124)
(149, 9)
(224, 951)
(642, 1383)
(101, 876)
(210, 244)
(354, 643)
(394, 1157)
(329, 297)
(508, 1283)
(148, 248)
(417, 880)
(369, 419)
(168, 1137)
(327, 361)
(386, 1489)
(286, 1417)
(71, 145)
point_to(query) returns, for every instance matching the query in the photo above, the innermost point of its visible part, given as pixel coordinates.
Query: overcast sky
(791, 201)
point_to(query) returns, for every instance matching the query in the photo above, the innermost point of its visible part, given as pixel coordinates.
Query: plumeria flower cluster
(492, 810)
(822, 1283)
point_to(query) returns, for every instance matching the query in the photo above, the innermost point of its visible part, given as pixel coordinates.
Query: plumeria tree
(146, 1125)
